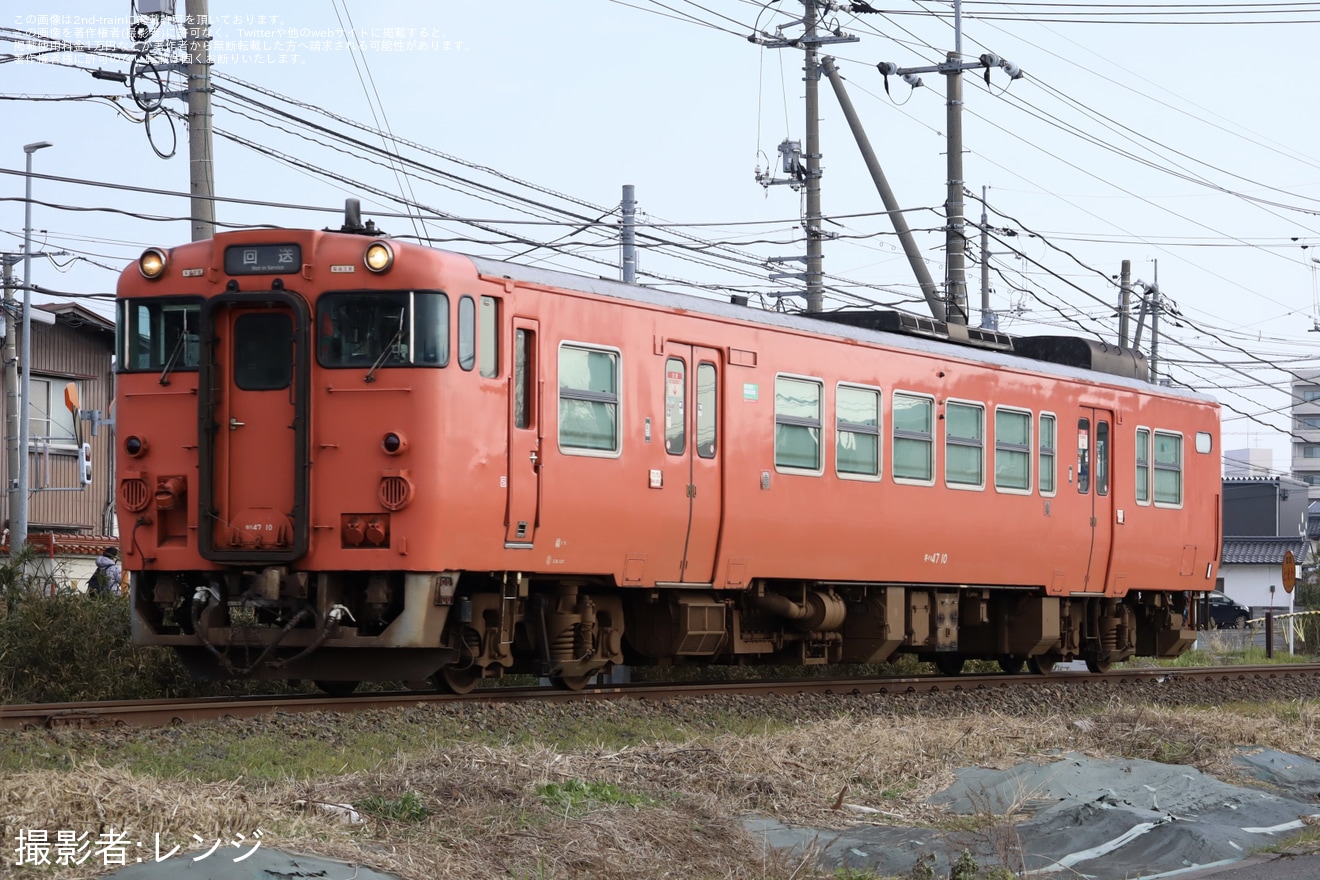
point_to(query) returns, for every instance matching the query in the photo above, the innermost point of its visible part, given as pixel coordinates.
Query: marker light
(379, 256)
(135, 445)
(152, 263)
(394, 443)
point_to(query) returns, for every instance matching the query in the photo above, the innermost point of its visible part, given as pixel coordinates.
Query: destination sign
(262, 259)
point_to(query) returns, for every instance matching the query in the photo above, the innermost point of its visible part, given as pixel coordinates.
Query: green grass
(577, 798)
(407, 808)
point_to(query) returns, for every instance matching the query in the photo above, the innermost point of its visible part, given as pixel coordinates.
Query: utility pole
(815, 254)
(1124, 302)
(955, 288)
(11, 393)
(989, 320)
(628, 235)
(811, 42)
(201, 172)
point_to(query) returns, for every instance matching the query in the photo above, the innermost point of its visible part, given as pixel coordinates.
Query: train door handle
(235, 424)
(533, 458)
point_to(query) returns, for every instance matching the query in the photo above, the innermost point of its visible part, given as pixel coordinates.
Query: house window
(1143, 465)
(588, 399)
(857, 431)
(914, 442)
(1048, 460)
(1309, 393)
(1012, 450)
(49, 420)
(1308, 423)
(797, 424)
(1168, 468)
(964, 444)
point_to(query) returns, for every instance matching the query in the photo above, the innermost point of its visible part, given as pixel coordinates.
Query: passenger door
(1094, 465)
(524, 464)
(692, 436)
(253, 428)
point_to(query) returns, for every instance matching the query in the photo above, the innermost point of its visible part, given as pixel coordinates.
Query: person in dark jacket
(108, 573)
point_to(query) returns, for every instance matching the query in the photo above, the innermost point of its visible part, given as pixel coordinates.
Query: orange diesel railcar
(346, 458)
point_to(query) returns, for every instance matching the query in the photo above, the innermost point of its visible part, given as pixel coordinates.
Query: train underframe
(452, 629)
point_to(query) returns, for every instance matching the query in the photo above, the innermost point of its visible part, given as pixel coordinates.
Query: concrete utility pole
(955, 290)
(628, 235)
(201, 172)
(989, 320)
(1124, 302)
(11, 391)
(811, 42)
(815, 254)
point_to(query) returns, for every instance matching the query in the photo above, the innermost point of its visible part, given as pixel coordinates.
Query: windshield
(158, 334)
(381, 329)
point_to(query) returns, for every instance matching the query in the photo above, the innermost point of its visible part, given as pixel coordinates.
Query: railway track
(159, 713)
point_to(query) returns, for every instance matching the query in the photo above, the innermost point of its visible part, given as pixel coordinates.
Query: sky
(1176, 136)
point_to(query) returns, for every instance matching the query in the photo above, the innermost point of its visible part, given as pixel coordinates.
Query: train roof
(1038, 355)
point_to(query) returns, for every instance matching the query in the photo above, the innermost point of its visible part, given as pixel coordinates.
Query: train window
(488, 344)
(263, 351)
(856, 432)
(1083, 456)
(1048, 460)
(707, 401)
(675, 395)
(1012, 450)
(964, 445)
(914, 442)
(797, 424)
(588, 400)
(522, 377)
(1143, 465)
(1102, 458)
(1204, 442)
(1168, 469)
(159, 334)
(382, 328)
(467, 333)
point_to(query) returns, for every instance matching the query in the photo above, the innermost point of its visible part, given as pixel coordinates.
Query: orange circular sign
(1289, 571)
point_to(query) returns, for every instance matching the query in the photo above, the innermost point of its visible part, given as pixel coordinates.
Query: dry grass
(667, 808)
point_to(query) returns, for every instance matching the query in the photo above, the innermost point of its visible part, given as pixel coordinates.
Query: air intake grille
(133, 494)
(395, 492)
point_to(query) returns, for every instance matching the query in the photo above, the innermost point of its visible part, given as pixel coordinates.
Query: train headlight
(152, 263)
(135, 446)
(394, 443)
(379, 256)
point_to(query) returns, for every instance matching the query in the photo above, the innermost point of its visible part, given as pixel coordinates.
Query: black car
(1225, 613)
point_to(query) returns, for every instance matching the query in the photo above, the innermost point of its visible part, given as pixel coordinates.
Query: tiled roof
(1254, 550)
(71, 545)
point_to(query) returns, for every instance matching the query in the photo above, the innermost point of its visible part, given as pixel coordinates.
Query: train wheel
(1042, 665)
(337, 688)
(949, 664)
(572, 682)
(1095, 664)
(1011, 665)
(458, 681)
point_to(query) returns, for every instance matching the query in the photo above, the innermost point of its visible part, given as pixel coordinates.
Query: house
(1251, 570)
(69, 523)
(1263, 518)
